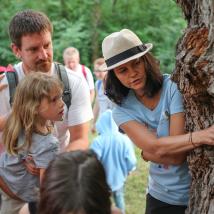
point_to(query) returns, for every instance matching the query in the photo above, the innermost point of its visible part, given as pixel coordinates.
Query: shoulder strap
(84, 71)
(62, 74)
(2, 69)
(12, 79)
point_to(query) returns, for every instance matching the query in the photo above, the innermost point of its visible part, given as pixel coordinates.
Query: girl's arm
(2, 122)
(30, 166)
(167, 150)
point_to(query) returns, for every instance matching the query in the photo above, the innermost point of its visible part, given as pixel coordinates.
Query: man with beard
(31, 36)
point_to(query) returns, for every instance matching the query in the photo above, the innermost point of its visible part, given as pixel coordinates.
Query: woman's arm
(166, 150)
(176, 128)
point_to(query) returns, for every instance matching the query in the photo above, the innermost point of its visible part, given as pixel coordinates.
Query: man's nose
(43, 54)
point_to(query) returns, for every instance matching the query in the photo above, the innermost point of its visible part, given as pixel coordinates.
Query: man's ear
(16, 50)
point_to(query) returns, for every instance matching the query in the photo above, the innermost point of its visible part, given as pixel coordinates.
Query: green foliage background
(84, 24)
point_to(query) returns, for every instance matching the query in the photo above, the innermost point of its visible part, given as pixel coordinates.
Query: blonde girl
(37, 103)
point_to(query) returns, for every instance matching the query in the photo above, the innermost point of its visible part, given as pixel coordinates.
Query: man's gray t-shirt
(14, 173)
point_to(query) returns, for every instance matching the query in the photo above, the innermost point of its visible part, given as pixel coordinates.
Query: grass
(135, 187)
(136, 184)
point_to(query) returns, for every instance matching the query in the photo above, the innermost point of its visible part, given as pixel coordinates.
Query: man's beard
(44, 65)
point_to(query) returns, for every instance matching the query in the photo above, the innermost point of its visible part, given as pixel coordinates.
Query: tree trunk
(194, 73)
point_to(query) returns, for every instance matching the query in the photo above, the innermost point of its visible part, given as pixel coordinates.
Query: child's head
(71, 57)
(75, 183)
(31, 93)
(98, 73)
(36, 100)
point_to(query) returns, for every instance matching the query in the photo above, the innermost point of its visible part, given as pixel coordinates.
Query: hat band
(125, 55)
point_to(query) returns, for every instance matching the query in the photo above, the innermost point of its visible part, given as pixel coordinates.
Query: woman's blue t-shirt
(167, 183)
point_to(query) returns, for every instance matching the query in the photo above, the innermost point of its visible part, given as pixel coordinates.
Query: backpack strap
(84, 71)
(12, 79)
(2, 69)
(63, 76)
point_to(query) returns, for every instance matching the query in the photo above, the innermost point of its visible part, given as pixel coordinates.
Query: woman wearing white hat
(150, 111)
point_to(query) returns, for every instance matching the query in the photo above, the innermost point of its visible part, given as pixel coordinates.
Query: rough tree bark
(194, 73)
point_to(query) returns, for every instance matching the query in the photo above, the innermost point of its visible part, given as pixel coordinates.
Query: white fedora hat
(121, 47)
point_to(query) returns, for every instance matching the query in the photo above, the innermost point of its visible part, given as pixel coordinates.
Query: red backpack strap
(83, 71)
(2, 69)
(12, 78)
(9, 68)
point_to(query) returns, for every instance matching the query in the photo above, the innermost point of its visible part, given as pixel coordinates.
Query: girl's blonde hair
(24, 115)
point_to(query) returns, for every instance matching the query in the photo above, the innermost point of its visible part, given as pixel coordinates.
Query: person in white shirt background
(101, 101)
(71, 57)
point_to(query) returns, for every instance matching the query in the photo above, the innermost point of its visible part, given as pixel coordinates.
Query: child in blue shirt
(116, 153)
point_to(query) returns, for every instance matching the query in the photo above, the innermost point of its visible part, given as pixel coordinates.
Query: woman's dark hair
(116, 91)
(75, 182)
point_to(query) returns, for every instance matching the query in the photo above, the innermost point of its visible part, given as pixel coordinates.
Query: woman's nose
(133, 72)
